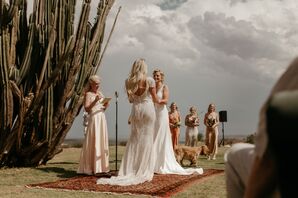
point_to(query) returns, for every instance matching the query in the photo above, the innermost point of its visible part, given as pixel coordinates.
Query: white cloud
(238, 46)
(225, 51)
(171, 4)
(238, 49)
(228, 30)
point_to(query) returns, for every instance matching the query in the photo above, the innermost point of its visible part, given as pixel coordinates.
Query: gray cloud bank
(229, 52)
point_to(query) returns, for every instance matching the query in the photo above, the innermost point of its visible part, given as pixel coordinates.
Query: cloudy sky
(228, 52)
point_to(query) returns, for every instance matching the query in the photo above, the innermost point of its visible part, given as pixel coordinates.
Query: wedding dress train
(165, 162)
(138, 161)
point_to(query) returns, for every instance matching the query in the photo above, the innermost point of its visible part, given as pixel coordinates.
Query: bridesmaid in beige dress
(95, 152)
(211, 121)
(175, 122)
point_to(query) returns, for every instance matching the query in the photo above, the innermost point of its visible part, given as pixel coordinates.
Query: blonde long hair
(138, 72)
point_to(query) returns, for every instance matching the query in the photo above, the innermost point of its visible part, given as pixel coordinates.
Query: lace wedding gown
(138, 161)
(165, 162)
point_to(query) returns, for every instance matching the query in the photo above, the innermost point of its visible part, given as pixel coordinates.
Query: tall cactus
(44, 67)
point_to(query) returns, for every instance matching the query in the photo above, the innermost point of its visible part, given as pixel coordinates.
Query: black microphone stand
(222, 119)
(223, 134)
(116, 95)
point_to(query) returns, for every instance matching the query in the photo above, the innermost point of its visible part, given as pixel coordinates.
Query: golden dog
(190, 153)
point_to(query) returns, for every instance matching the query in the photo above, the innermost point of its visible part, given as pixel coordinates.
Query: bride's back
(142, 85)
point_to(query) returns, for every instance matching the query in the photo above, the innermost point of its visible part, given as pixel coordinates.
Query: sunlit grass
(64, 165)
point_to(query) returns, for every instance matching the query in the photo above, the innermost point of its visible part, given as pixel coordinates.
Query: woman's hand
(97, 98)
(89, 104)
(159, 101)
(172, 125)
(106, 105)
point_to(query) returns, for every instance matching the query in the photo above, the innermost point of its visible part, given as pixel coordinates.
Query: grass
(64, 165)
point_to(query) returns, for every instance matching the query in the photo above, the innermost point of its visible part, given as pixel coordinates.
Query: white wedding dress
(138, 161)
(165, 162)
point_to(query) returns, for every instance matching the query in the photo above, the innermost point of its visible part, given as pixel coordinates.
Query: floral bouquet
(85, 119)
(194, 121)
(210, 121)
(177, 124)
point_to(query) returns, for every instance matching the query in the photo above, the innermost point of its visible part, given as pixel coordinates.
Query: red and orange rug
(161, 185)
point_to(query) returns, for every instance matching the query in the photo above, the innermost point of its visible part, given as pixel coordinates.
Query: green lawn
(64, 165)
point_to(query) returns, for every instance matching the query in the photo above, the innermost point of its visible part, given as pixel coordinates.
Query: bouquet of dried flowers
(210, 121)
(177, 124)
(194, 121)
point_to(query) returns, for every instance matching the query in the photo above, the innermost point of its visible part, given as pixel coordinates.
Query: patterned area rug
(161, 185)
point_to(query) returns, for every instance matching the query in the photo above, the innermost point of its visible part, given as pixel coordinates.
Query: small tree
(44, 67)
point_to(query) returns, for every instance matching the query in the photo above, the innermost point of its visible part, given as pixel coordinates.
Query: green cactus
(44, 68)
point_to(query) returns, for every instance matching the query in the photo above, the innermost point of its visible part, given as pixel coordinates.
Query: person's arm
(205, 120)
(152, 91)
(187, 122)
(197, 122)
(172, 125)
(88, 104)
(262, 180)
(128, 95)
(129, 119)
(130, 100)
(216, 121)
(165, 95)
(178, 118)
(106, 105)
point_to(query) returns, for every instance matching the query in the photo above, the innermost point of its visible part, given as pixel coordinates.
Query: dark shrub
(250, 138)
(200, 137)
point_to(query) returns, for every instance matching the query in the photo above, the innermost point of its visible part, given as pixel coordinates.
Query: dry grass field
(13, 181)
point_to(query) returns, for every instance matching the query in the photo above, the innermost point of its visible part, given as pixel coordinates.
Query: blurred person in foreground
(255, 170)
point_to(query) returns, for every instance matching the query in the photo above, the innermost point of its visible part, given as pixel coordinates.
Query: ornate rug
(161, 185)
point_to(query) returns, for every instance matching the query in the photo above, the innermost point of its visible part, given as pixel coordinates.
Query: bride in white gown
(165, 163)
(137, 164)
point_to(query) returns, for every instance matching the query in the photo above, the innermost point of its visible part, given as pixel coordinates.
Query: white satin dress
(165, 162)
(95, 152)
(138, 161)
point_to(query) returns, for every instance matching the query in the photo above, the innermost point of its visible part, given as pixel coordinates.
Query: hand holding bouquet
(210, 122)
(177, 124)
(194, 121)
